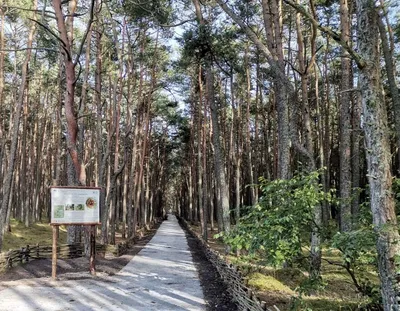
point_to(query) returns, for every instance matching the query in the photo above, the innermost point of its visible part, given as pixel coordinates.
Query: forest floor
(282, 287)
(38, 272)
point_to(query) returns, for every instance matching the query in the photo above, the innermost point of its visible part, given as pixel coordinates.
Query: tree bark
(249, 151)
(305, 69)
(236, 149)
(378, 155)
(272, 17)
(204, 181)
(69, 104)
(2, 54)
(200, 172)
(394, 91)
(345, 125)
(75, 171)
(356, 158)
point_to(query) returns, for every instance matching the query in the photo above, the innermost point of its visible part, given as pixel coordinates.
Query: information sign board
(75, 205)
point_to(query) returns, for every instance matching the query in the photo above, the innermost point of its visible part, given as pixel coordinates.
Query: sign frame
(83, 205)
(92, 225)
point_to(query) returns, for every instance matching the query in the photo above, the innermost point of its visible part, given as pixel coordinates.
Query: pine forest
(270, 127)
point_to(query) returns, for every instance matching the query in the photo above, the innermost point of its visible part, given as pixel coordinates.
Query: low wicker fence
(245, 297)
(64, 251)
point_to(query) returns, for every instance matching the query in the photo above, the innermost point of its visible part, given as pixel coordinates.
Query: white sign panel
(75, 205)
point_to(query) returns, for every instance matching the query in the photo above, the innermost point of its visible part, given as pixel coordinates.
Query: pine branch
(34, 49)
(334, 35)
(178, 24)
(63, 46)
(28, 10)
(89, 25)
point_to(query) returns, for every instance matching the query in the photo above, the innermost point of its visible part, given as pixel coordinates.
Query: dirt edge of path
(215, 291)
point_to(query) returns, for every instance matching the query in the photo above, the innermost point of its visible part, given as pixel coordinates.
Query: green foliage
(227, 47)
(158, 10)
(358, 254)
(309, 286)
(222, 44)
(246, 9)
(197, 44)
(396, 191)
(357, 247)
(297, 303)
(284, 215)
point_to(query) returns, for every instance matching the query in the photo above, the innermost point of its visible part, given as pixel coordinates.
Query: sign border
(76, 223)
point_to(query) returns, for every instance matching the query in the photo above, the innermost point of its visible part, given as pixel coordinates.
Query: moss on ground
(262, 282)
(321, 303)
(21, 236)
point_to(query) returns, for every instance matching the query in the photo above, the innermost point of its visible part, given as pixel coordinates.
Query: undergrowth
(21, 236)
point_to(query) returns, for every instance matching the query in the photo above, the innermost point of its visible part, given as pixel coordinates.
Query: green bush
(279, 225)
(358, 255)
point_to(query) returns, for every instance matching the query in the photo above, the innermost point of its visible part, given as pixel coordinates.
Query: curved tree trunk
(75, 169)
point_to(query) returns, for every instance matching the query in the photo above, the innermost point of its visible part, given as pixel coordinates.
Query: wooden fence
(64, 251)
(245, 297)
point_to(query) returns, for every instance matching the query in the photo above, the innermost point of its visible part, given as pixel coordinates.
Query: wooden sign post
(92, 259)
(75, 206)
(56, 229)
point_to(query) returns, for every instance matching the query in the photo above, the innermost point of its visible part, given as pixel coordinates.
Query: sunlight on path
(161, 277)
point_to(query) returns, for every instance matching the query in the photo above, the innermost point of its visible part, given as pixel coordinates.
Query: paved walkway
(161, 277)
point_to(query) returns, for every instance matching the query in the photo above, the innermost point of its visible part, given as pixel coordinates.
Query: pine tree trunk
(2, 54)
(315, 252)
(249, 151)
(273, 28)
(24, 203)
(200, 172)
(132, 175)
(204, 175)
(356, 158)
(345, 125)
(378, 155)
(326, 213)
(223, 199)
(236, 150)
(394, 91)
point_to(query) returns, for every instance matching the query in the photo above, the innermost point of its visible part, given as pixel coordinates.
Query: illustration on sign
(75, 205)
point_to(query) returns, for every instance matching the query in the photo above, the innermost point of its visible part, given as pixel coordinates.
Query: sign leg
(54, 255)
(92, 260)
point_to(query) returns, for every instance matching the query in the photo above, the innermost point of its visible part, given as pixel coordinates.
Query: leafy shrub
(358, 255)
(279, 225)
